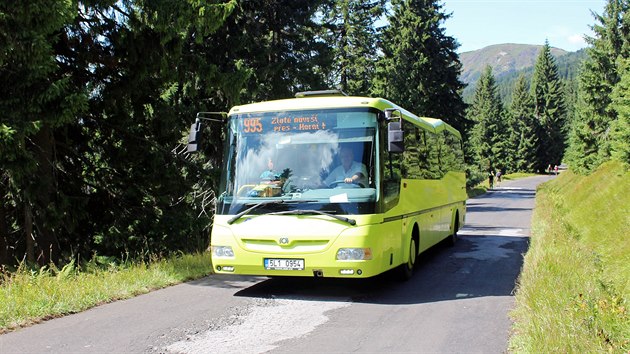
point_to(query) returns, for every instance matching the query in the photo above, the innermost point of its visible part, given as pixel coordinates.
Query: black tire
(452, 239)
(406, 270)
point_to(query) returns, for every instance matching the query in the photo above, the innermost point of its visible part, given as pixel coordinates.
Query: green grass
(573, 292)
(29, 296)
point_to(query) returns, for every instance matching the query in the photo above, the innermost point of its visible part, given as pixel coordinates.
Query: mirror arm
(194, 138)
(204, 116)
(389, 114)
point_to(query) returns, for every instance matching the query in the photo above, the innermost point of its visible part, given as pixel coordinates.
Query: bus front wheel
(406, 269)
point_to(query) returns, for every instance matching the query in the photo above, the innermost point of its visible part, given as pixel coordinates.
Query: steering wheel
(334, 184)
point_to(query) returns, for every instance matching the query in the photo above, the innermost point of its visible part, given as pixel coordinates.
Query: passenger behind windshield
(349, 172)
(270, 176)
(271, 183)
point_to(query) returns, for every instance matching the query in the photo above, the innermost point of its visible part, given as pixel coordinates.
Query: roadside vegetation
(573, 292)
(29, 296)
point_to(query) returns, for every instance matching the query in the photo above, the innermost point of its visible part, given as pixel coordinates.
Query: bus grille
(294, 246)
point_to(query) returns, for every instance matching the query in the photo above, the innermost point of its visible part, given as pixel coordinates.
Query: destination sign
(285, 124)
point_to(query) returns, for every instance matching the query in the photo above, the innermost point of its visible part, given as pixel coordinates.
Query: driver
(349, 171)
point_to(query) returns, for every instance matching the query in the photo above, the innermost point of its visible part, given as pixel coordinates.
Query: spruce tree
(488, 137)
(549, 109)
(351, 27)
(92, 97)
(420, 67)
(620, 128)
(522, 144)
(589, 142)
(36, 98)
(280, 43)
(153, 81)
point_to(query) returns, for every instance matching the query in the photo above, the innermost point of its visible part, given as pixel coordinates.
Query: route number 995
(252, 125)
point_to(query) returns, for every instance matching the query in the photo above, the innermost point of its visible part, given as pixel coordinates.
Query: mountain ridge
(504, 58)
(508, 61)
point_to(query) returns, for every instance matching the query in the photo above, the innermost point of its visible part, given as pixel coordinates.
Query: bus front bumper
(301, 266)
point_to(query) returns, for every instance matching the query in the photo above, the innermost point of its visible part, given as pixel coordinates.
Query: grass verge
(573, 291)
(28, 296)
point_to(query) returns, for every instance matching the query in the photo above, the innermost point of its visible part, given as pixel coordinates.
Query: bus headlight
(222, 251)
(354, 254)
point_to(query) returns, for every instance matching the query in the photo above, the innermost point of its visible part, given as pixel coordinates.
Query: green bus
(328, 185)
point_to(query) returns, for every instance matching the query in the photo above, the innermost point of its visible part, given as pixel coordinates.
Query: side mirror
(395, 137)
(194, 138)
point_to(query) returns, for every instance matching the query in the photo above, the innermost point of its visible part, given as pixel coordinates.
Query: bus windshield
(315, 159)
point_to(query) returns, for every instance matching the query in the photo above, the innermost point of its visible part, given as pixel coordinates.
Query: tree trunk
(48, 246)
(28, 231)
(4, 233)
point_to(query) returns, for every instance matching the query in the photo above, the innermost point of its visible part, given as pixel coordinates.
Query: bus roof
(335, 101)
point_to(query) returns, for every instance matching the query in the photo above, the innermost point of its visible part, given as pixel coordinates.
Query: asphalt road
(457, 302)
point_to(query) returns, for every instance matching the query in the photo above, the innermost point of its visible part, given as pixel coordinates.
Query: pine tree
(280, 43)
(420, 67)
(488, 136)
(351, 27)
(620, 128)
(589, 142)
(149, 81)
(522, 145)
(36, 98)
(570, 99)
(91, 95)
(549, 109)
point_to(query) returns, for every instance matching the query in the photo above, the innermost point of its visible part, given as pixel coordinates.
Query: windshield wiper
(258, 205)
(255, 206)
(310, 211)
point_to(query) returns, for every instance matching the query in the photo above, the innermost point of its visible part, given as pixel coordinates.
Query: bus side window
(425, 166)
(453, 157)
(434, 170)
(447, 155)
(411, 155)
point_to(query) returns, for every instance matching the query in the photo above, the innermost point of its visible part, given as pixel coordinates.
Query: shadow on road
(477, 266)
(228, 282)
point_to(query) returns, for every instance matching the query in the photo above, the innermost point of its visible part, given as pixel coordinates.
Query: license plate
(284, 264)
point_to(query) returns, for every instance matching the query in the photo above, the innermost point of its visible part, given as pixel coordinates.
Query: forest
(97, 97)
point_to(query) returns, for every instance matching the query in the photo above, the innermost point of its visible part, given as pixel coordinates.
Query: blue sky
(480, 23)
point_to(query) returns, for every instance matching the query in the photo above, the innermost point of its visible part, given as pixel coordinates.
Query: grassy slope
(573, 293)
(28, 297)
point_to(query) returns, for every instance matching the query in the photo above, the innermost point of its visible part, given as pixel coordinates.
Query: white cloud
(565, 38)
(577, 39)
